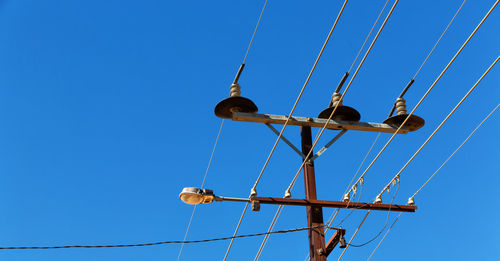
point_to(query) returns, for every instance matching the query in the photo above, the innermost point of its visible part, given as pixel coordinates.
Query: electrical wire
(438, 127)
(439, 39)
(288, 191)
(335, 213)
(202, 185)
(428, 55)
(468, 137)
(386, 222)
(381, 240)
(359, 227)
(425, 95)
(368, 36)
(254, 188)
(157, 243)
(255, 31)
(266, 238)
(421, 66)
(343, 94)
(456, 150)
(430, 88)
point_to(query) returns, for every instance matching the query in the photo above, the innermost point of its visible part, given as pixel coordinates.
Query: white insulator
(347, 198)
(253, 193)
(235, 90)
(411, 201)
(336, 99)
(378, 199)
(400, 106)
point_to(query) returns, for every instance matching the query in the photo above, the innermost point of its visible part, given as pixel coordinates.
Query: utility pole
(238, 108)
(314, 213)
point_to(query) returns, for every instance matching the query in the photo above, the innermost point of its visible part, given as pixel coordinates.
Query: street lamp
(195, 196)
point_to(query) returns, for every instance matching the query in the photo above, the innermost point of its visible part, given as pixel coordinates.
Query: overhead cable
(402, 93)
(288, 191)
(335, 213)
(156, 243)
(427, 57)
(468, 137)
(385, 235)
(253, 191)
(202, 185)
(222, 122)
(424, 96)
(397, 176)
(430, 88)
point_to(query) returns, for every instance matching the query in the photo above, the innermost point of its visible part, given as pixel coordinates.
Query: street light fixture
(194, 196)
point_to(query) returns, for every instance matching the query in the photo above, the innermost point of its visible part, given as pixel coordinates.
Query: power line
(425, 95)
(343, 94)
(375, 140)
(439, 39)
(468, 137)
(335, 213)
(255, 31)
(385, 225)
(202, 185)
(421, 66)
(220, 129)
(428, 55)
(385, 235)
(430, 88)
(368, 36)
(288, 191)
(456, 150)
(396, 177)
(254, 188)
(158, 243)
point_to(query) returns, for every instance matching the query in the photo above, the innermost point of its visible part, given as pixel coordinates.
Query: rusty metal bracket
(322, 150)
(286, 140)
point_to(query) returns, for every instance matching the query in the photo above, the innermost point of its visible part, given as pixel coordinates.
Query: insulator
(253, 193)
(235, 90)
(400, 106)
(336, 99)
(411, 201)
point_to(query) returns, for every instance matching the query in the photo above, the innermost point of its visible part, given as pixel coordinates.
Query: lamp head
(195, 196)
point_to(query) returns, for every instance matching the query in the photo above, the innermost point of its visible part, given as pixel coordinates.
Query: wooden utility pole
(314, 213)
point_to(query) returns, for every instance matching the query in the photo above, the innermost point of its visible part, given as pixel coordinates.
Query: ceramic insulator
(400, 106)
(336, 99)
(235, 90)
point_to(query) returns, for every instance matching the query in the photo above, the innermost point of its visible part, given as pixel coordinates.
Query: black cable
(383, 228)
(159, 243)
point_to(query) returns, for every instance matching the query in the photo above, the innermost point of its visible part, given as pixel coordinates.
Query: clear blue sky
(106, 113)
